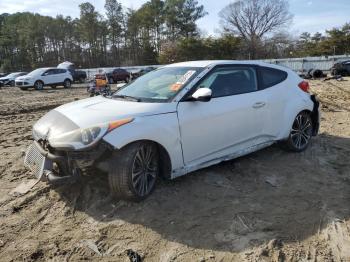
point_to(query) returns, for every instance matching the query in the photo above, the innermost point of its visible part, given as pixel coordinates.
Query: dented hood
(92, 111)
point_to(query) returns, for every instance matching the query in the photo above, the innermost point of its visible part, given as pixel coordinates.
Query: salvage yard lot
(268, 206)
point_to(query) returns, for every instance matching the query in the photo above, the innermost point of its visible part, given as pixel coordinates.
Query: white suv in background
(45, 77)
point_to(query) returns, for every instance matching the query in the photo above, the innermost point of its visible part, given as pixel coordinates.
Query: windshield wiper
(130, 98)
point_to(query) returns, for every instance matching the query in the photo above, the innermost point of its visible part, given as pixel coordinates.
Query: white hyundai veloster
(172, 121)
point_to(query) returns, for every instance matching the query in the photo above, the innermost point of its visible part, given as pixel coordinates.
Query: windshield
(36, 71)
(13, 75)
(160, 85)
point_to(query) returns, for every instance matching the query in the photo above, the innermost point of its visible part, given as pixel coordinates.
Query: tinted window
(271, 76)
(61, 71)
(49, 72)
(229, 81)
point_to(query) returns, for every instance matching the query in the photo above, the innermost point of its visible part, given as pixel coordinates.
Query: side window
(228, 81)
(48, 72)
(271, 76)
(62, 71)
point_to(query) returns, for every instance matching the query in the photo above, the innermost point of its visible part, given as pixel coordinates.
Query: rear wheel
(67, 83)
(301, 133)
(134, 171)
(39, 85)
(12, 83)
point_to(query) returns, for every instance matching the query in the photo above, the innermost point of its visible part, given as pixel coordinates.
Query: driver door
(229, 122)
(48, 77)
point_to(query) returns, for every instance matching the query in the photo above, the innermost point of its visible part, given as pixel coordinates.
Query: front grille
(34, 160)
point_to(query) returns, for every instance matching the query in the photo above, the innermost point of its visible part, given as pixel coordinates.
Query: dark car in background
(341, 68)
(142, 72)
(78, 75)
(117, 75)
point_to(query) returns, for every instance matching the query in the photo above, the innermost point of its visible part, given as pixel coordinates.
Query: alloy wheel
(67, 84)
(301, 131)
(144, 170)
(39, 85)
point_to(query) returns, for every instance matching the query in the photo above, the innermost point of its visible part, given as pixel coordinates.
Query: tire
(130, 177)
(300, 134)
(127, 79)
(111, 80)
(12, 83)
(39, 85)
(67, 83)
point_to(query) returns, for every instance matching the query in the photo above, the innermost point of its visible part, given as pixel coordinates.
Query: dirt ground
(268, 206)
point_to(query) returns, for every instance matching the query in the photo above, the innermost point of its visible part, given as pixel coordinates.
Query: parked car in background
(9, 80)
(142, 72)
(175, 120)
(342, 68)
(41, 77)
(117, 75)
(78, 75)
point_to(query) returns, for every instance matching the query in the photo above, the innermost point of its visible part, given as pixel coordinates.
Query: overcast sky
(309, 15)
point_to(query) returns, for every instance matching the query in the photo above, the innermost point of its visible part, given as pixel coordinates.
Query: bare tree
(254, 19)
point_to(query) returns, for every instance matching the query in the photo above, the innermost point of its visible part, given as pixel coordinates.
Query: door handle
(259, 104)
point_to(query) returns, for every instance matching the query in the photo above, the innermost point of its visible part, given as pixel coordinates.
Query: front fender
(162, 128)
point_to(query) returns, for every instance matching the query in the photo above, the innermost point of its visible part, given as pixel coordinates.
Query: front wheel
(38, 85)
(301, 133)
(67, 83)
(134, 170)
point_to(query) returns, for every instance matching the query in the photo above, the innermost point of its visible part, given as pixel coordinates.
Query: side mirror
(202, 94)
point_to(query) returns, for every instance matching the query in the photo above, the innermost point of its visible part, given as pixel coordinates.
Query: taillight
(304, 86)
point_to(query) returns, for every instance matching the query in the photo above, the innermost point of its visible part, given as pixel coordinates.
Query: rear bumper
(316, 115)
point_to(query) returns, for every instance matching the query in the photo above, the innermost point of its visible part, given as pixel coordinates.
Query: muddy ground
(268, 206)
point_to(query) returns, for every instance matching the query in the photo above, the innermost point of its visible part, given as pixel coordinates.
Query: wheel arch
(164, 157)
(291, 113)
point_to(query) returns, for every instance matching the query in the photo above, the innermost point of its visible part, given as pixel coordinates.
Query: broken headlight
(79, 138)
(85, 137)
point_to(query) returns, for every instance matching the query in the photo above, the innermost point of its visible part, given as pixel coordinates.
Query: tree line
(159, 32)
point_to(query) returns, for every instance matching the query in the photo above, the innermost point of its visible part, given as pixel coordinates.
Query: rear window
(271, 76)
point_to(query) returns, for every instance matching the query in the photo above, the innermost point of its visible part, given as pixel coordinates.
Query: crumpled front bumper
(63, 167)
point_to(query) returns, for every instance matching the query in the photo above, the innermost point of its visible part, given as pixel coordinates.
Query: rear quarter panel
(296, 102)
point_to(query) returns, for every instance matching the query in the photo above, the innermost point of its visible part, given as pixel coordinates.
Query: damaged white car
(172, 121)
